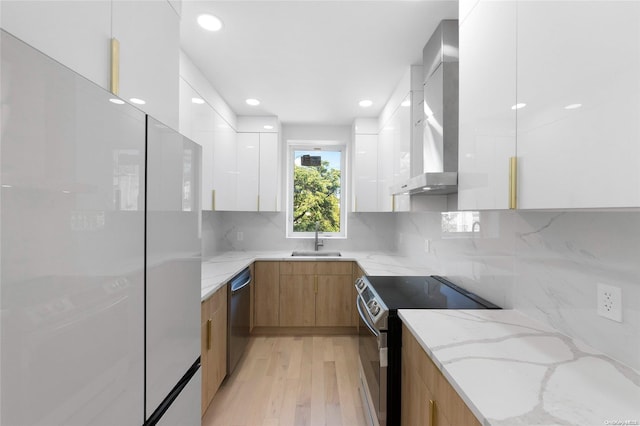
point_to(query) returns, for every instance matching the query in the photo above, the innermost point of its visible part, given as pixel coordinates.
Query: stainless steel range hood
(437, 172)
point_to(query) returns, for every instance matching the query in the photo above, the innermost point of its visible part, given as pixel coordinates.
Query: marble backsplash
(544, 264)
(266, 231)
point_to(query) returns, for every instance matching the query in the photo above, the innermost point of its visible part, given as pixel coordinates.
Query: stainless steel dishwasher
(239, 314)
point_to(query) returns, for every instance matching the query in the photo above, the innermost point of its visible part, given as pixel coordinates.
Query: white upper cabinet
(365, 165)
(269, 183)
(77, 34)
(578, 72)
(554, 85)
(225, 171)
(248, 158)
(198, 122)
(487, 132)
(74, 33)
(149, 36)
(401, 128)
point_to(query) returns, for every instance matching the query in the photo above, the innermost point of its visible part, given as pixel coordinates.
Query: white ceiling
(310, 61)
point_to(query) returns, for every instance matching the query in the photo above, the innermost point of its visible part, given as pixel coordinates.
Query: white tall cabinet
(555, 86)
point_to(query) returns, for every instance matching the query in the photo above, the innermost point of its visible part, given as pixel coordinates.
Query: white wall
(544, 264)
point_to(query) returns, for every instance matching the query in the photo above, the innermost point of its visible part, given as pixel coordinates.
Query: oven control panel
(376, 311)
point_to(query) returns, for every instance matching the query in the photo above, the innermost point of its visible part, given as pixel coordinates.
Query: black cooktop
(424, 292)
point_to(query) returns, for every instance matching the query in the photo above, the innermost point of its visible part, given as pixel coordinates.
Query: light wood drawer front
(334, 268)
(298, 268)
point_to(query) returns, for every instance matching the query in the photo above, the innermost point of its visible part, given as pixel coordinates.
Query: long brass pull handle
(213, 199)
(115, 66)
(513, 183)
(208, 334)
(315, 284)
(432, 412)
(258, 203)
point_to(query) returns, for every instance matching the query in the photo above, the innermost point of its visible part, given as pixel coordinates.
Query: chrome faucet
(318, 243)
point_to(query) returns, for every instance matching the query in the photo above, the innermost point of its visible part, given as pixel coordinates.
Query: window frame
(317, 145)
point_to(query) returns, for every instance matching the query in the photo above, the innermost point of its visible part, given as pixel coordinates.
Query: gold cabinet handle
(432, 412)
(315, 284)
(208, 334)
(115, 66)
(258, 203)
(513, 183)
(213, 199)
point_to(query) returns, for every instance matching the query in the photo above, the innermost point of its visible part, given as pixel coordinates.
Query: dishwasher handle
(240, 281)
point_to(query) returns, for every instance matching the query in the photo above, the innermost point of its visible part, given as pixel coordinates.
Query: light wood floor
(291, 381)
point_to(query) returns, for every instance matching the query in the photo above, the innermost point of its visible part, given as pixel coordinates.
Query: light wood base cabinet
(427, 397)
(303, 294)
(315, 294)
(266, 280)
(214, 344)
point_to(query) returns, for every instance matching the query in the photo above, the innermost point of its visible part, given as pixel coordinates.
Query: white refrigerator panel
(173, 260)
(72, 255)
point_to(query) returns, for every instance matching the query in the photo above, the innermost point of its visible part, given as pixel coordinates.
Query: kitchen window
(315, 189)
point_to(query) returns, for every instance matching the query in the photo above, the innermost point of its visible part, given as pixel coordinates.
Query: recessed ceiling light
(252, 102)
(209, 22)
(268, 127)
(137, 101)
(198, 101)
(518, 106)
(116, 101)
(426, 188)
(366, 103)
(406, 103)
(6, 186)
(66, 192)
(573, 106)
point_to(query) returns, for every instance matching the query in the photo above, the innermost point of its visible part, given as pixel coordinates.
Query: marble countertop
(217, 270)
(512, 370)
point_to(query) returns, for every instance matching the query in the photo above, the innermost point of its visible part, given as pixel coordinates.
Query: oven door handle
(365, 317)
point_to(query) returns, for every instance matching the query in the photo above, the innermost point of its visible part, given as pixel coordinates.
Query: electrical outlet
(610, 302)
(240, 235)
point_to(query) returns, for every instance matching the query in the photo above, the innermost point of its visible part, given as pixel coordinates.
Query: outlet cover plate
(610, 302)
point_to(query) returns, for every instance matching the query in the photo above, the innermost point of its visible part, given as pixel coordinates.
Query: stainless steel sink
(316, 253)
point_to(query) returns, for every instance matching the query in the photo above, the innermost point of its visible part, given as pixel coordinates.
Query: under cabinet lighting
(268, 127)
(116, 101)
(365, 103)
(137, 101)
(252, 102)
(198, 101)
(210, 22)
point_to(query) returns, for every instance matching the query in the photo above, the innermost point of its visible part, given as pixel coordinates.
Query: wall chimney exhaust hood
(437, 171)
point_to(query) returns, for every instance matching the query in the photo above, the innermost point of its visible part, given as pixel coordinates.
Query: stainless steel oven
(380, 335)
(372, 349)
